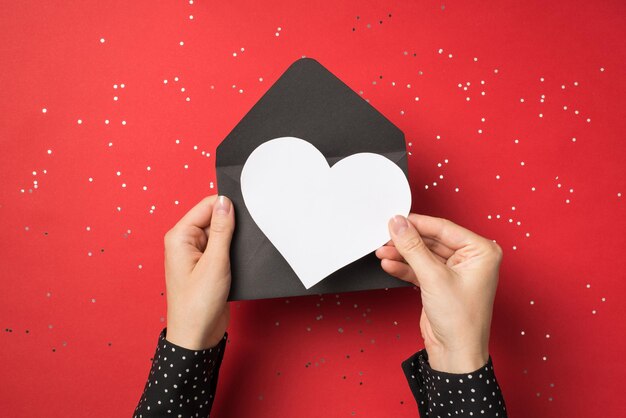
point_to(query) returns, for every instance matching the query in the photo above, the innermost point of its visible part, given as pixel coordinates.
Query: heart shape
(322, 218)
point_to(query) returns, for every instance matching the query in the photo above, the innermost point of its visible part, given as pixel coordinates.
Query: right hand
(197, 274)
(457, 272)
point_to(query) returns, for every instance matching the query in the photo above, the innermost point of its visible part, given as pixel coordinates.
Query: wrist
(456, 361)
(191, 339)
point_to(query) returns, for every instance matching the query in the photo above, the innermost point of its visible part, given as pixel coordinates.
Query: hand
(457, 272)
(197, 274)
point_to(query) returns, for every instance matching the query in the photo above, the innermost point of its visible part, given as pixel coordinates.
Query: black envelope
(306, 102)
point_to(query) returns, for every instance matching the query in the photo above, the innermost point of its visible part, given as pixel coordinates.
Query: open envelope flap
(307, 102)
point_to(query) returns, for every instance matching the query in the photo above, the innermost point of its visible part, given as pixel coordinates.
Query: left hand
(197, 274)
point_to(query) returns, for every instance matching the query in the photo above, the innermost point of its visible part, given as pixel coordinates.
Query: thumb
(412, 248)
(217, 252)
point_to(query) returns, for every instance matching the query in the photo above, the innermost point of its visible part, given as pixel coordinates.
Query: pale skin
(456, 270)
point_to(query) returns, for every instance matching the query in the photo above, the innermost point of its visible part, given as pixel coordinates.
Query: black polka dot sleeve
(181, 382)
(440, 394)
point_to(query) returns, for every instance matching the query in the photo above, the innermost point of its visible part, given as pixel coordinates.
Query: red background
(81, 260)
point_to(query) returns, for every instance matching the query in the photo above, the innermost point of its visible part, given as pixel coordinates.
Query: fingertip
(223, 206)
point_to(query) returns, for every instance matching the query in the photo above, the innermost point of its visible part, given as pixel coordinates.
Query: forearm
(181, 381)
(466, 394)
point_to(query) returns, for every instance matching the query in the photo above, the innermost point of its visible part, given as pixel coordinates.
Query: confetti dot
(115, 98)
(523, 333)
(79, 121)
(101, 40)
(123, 122)
(181, 43)
(49, 151)
(44, 110)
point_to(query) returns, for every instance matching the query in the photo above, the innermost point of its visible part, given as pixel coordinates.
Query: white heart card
(322, 218)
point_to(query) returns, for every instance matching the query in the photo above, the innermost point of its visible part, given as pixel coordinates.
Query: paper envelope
(306, 102)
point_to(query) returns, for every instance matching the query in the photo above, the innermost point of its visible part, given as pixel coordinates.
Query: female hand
(457, 272)
(197, 274)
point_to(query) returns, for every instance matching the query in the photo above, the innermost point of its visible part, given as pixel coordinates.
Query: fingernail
(399, 224)
(223, 205)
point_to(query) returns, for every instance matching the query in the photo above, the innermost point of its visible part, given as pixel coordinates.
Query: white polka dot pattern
(181, 382)
(440, 394)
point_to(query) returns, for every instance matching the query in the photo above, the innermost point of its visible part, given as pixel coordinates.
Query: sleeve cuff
(181, 381)
(439, 393)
